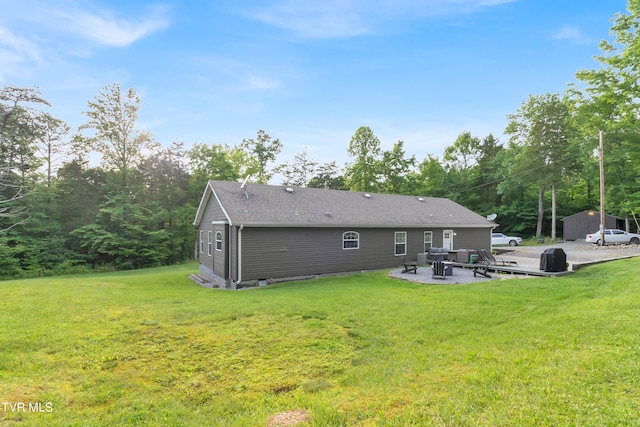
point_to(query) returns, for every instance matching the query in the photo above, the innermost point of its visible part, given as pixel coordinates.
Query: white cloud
(348, 18)
(109, 30)
(15, 50)
(572, 34)
(35, 32)
(315, 19)
(18, 44)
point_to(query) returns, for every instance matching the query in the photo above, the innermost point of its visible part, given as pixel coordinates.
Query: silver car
(501, 239)
(613, 236)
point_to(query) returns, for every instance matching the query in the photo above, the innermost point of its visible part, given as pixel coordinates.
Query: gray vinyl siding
(220, 260)
(233, 253)
(465, 238)
(215, 261)
(289, 252)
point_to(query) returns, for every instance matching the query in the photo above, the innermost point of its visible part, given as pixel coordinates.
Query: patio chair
(410, 266)
(492, 259)
(482, 264)
(439, 270)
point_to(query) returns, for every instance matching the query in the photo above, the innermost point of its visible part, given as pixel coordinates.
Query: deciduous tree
(542, 131)
(52, 141)
(328, 176)
(299, 172)
(607, 100)
(19, 132)
(363, 173)
(263, 150)
(396, 170)
(113, 116)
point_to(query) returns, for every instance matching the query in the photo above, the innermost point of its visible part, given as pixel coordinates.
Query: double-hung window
(350, 240)
(201, 241)
(209, 244)
(428, 239)
(401, 243)
(218, 241)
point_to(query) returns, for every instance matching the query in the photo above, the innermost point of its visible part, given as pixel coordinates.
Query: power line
(524, 172)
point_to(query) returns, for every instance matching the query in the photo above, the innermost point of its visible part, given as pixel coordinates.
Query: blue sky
(307, 72)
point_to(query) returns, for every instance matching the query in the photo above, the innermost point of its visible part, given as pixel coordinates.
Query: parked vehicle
(613, 236)
(501, 239)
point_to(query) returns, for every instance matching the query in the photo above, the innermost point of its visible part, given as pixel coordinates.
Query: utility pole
(601, 189)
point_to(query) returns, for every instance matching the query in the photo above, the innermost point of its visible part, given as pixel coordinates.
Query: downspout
(240, 254)
(229, 231)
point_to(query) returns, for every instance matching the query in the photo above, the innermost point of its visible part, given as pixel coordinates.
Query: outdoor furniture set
(480, 261)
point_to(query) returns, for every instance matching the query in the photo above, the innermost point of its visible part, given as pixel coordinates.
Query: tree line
(59, 213)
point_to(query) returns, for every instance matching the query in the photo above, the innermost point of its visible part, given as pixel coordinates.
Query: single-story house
(254, 234)
(578, 225)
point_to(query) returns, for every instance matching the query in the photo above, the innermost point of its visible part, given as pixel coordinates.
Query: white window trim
(209, 243)
(219, 233)
(201, 241)
(430, 242)
(357, 240)
(395, 242)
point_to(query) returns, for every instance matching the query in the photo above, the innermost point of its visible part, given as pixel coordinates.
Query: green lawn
(152, 348)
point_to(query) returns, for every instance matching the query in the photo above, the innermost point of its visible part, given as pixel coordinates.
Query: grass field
(152, 348)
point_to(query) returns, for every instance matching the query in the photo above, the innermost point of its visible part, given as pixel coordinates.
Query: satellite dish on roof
(492, 217)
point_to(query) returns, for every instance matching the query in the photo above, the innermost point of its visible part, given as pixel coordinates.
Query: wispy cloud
(315, 19)
(18, 44)
(233, 75)
(106, 29)
(571, 34)
(14, 51)
(35, 31)
(349, 18)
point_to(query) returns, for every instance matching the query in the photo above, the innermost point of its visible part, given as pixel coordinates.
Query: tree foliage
(364, 172)
(607, 100)
(19, 131)
(395, 170)
(299, 172)
(125, 234)
(113, 116)
(328, 176)
(58, 211)
(542, 131)
(262, 150)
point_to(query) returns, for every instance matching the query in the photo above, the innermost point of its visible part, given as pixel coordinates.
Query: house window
(350, 240)
(209, 244)
(401, 242)
(218, 241)
(201, 241)
(428, 240)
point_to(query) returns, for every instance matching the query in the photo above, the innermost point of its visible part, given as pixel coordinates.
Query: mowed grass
(151, 348)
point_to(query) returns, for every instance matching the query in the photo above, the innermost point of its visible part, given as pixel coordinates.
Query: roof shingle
(272, 205)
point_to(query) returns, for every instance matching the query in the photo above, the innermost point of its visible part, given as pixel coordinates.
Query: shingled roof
(282, 206)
